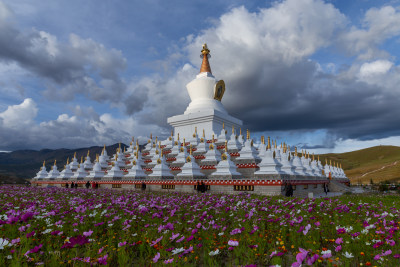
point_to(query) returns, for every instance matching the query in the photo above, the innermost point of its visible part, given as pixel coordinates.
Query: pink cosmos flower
(338, 248)
(169, 261)
(339, 241)
(88, 233)
(180, 239)
(174, 236)
(308, 227)
(156, 257)
(103, 260)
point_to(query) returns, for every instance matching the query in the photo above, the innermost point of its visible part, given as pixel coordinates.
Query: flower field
(58, 226)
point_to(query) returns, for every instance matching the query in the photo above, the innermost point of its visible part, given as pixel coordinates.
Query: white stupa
(233, 144)
(74, 163)
(42, 173)
(190, 169)
(222, 136)
(80, 173)
(248, 152)
(205, 110)
(181, 157)
(269, 164)
(298, 167)
(194, 140)
(136, 172)
(176, 148)
(213, 156)
(287, 167)
(161, 170)
(226, 168)
(103, 159)
(67, 172)
(88, 164)
(202, 146)
(115, 172)
(96, 173)
(53, 173)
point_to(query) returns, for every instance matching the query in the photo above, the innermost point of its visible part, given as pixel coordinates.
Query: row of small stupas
(223, 157)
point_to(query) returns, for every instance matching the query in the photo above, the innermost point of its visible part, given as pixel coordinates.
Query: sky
(320, 75)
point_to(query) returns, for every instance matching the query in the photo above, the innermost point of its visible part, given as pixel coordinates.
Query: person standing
(290, 189)
(87, 185)
(72, 185)
(143, 186)
(76, 185)
(66, 185)
(326, 188)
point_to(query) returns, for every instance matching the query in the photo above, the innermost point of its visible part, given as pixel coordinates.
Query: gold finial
(248, 134)
(119, 147)
(204, 134)
(67, 160)
(226, 146)
(184, 141)
(88, 153)
(161, 154)
(75, 155)
(44, 162)
(116, 156)
(275, 144)
(205, 54)
(124, 149)
(81, 159)
(330, 162)
(295, 151)
(55, 162)
(178, 136)
(133, 139)
(195, 130)
(240, 131)
(233, 129)
(190, 150)
(137, 153)
(223, 126)
(269, 143)
(213, 139)
(151, 136)
(313, 156)
(97, 157)
(318, 157)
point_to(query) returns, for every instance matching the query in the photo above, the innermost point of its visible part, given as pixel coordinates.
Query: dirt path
(392, 164)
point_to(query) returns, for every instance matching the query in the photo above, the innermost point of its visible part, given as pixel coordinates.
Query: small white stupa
(42, 173)
(136, 172)
(74, 163)
(286, 167)
(269, 164)
(298, 167)
(119, 159)
(88, 164)
(149, 144)
(176, 148)
(202, 146)
(248, 152)
(240, 137)
(181, 157)
(226, 168)
(194, 141)
(327, 169)
(305, 159)
(190, 170)
(66, 173)
(103, 159)
(161, 170)
(233, 144)
(53, 173)
(115, 172)
(213, 156)
(262, 148)
(97, 172)
(80, 172)
(222, 136)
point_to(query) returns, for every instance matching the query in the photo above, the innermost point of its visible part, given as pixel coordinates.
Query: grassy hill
(379, 163)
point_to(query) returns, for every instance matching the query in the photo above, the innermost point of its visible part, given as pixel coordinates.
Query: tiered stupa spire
(205, 54)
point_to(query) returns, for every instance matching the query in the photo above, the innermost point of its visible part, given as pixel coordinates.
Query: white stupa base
(210, 120)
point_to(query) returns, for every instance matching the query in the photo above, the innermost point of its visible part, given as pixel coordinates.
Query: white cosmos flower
(177, 250)
(3, 243)
(222, 233)
(348, 255)
(213, 253)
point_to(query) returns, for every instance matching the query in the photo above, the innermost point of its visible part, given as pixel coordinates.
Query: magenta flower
(121, 244)
(308, 227)
(338, 248)
(180, 239)
(156, 257)
(30, 234)
(310, 261)
(76, 240)
(156, 241)
(103, 260)
(168, 261)
(174, 236)
(339, 241)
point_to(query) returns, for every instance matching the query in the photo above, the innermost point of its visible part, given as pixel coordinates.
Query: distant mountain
(19, 165)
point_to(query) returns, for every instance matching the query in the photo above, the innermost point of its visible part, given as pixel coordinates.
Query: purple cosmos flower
(310, 261)
(180, 239)
(103, 260)
(88, 233)
(308, 227)
(174, 236)
(76, 240)
(168, 261)
(156, 257)
(339, 241)
(156, 241)
(338, 248)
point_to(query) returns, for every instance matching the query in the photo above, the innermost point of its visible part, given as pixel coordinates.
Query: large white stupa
(205, 111)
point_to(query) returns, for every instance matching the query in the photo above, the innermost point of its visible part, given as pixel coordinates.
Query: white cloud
(19, 115)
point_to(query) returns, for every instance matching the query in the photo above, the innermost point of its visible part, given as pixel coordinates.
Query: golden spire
(318, 157)
(55, 162)
(195, 130)
(223, 126)
(161, 154)
(75, 155)
(240, 131)
(226, 146)
(269, 143)
(172, 133)
(133, 139)
(178, 136)
(330, 162)
(124, 149)
(81, 159)
(248, 134)
(88, 153)
(190, 151)
(137, 153)
(44, 162)
(151, 136)
(205, 54)
(97, 158)
(184, 142)
(213, 139)
(275, 144)
(67, 160)
(295, 151)
(313, 156)
(233, 129)
(204, 134)
(116, 156)
(119, 146)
